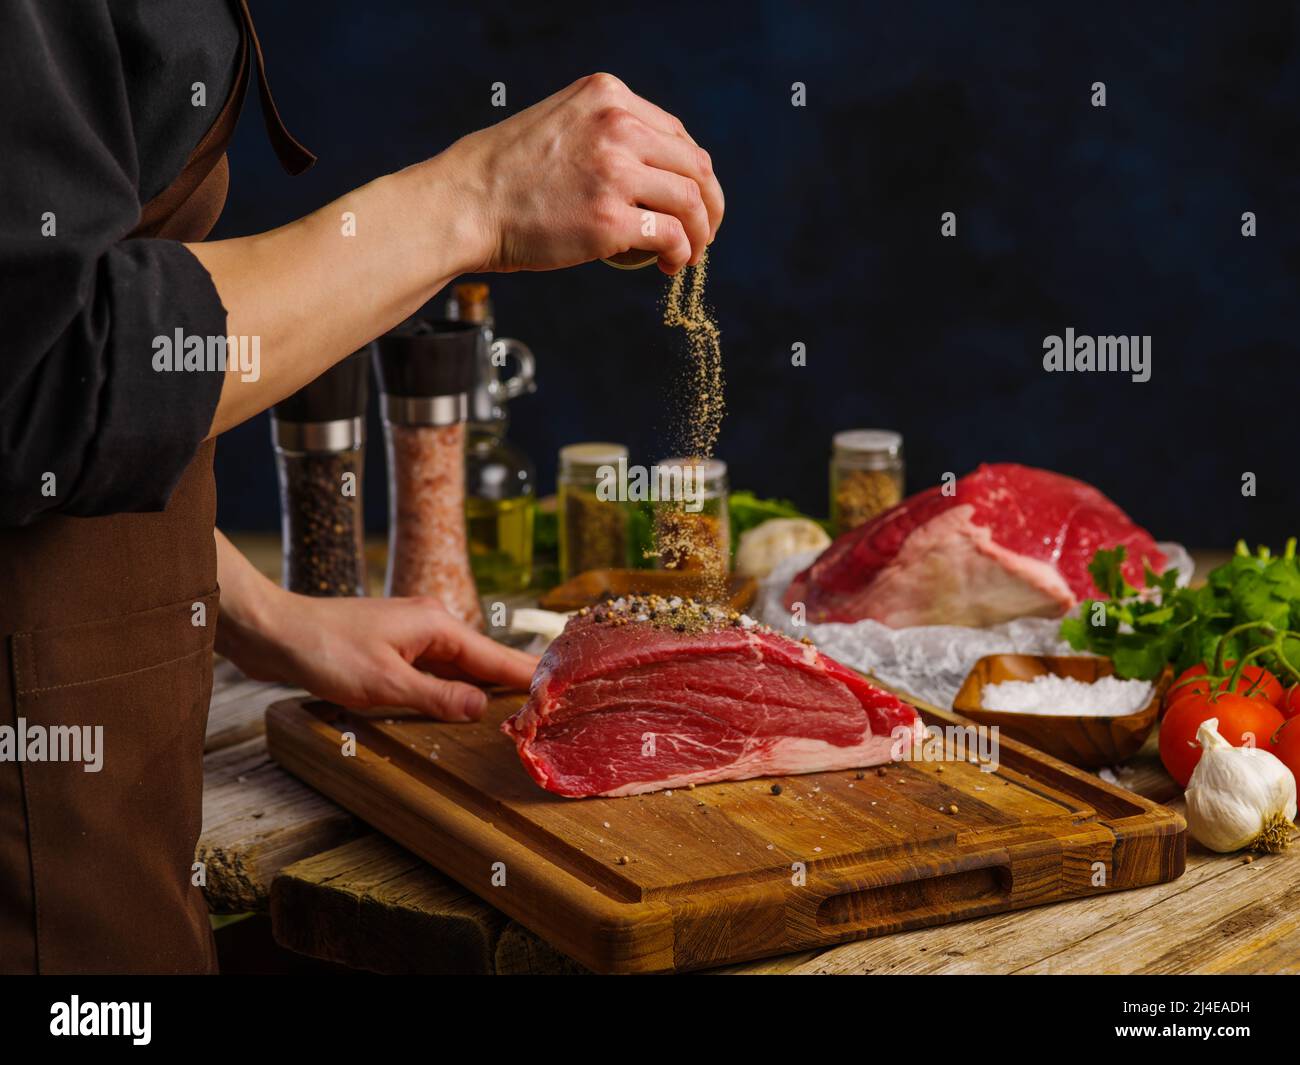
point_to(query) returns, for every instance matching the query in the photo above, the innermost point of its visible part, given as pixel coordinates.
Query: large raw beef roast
(649, 693)
(1010, 541)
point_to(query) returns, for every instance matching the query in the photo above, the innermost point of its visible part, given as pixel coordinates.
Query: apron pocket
(112, 715)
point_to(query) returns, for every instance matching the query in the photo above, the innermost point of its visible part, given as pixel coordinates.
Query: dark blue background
(1120, 220)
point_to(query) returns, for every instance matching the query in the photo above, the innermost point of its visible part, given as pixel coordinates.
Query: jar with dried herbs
(593, 521)
(866, 476)
(692, 524)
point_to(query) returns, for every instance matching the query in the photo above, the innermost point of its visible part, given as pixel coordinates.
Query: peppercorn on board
(733, 871)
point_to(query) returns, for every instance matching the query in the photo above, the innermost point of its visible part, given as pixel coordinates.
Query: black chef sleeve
(87, 425)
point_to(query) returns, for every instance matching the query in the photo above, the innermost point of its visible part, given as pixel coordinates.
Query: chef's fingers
(647, 230)
(672, 194)
(446, 670)
(681, 157)
(480, 656)
(446, 700)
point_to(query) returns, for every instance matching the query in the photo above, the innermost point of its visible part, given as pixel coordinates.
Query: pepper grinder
(319, 435)
(426, 371)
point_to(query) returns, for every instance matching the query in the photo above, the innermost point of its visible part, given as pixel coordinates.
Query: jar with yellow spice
(692, 523)
(866, 475)
(593, 521)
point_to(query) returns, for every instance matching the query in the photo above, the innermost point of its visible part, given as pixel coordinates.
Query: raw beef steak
(644, 694)
(1010, 541)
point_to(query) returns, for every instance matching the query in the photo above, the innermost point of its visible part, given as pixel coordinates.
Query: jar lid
(882, 443)
(339, 394)
(423, 359)
(591, 455)
(633, 259)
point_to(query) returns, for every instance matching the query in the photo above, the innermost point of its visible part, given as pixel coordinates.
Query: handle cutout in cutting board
(910, 898)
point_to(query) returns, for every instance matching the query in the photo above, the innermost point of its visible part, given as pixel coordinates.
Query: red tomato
(1290, 704)
(1259, 682)
(1286, 745)
(1239, 718)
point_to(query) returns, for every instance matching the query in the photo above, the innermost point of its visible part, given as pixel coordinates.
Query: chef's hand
(391, 652)
(582, 175)
(587, 173)
(360, 652)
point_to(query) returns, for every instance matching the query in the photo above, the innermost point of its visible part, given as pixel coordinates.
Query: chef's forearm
(247, 610)
(319, 288)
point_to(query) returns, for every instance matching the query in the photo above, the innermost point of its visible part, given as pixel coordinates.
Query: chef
(114, 119)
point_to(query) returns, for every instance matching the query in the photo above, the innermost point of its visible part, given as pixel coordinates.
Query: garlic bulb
(1239, 796)
(767, 543)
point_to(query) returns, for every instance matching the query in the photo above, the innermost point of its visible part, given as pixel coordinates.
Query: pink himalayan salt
(428, 554)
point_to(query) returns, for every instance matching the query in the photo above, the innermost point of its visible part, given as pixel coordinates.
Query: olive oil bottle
(500, 480)
(501, 542)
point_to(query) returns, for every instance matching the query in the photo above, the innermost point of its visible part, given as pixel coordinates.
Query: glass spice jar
(319, 435)
(593, 521)
(693, 526)
(866, 475)
(426, 371)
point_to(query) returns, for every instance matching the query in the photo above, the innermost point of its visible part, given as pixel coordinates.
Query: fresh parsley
(1248, 611)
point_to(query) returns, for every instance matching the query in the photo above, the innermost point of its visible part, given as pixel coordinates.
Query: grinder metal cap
(329, 414)
(426, 370)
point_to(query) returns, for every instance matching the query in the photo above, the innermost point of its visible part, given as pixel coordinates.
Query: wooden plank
(779, 966)
(1220, 922)
(237, 711)
(371, 905)
(520, 952)
(256, 820)
(692, 878)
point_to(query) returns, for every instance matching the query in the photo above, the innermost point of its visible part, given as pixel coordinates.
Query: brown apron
(110, 622)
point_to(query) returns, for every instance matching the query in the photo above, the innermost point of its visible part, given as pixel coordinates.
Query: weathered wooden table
(336, 891)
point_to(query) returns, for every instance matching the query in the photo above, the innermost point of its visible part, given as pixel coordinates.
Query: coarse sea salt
(1051, 694)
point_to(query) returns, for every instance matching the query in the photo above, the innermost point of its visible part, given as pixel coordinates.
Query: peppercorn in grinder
(319, 434)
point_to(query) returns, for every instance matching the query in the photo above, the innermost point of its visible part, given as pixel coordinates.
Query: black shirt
(97, 116)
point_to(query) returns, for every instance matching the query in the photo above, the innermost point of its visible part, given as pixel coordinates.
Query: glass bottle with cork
(866, 475)
(319, 435)
(500, 479)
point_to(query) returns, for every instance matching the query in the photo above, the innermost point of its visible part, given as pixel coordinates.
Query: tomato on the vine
(1255, 682)
(1242, 722)
(1290, 704)
(1285, 744)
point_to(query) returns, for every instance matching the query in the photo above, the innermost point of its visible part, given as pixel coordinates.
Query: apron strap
(293, 156)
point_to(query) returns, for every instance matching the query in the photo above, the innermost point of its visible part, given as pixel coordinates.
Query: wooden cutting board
(729, 872)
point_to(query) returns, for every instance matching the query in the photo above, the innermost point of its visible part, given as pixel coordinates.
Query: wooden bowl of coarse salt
(1071, 706)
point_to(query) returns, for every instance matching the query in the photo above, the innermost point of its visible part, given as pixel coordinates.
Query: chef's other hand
(587, 173)
(377, 652)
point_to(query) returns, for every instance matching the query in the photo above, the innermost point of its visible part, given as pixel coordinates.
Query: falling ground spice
(700, 418)
(681, 536)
